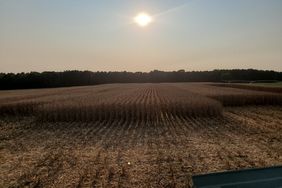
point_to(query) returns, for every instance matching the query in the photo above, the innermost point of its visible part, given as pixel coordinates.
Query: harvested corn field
(134, 135)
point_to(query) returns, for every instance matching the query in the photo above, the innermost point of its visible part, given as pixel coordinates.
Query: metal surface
(251, 178)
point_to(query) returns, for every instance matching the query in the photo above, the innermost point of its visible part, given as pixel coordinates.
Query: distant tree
(226, 76)
(80, 78)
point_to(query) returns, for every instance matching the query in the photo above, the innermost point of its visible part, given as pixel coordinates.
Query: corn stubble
(163, 153)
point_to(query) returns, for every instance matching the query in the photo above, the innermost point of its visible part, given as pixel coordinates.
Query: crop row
(131, 102)
(28, 102)
(147, 102)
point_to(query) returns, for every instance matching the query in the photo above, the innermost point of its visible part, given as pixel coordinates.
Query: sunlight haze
(53, 35)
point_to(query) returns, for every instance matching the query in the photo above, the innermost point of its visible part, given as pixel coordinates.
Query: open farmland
(274, 84)
(230, 96)
(135, 135)
(268, 87)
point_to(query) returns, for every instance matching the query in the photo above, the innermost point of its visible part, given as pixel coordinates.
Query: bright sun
(143, 19)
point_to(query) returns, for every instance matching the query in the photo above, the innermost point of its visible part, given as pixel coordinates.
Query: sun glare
(143, 19)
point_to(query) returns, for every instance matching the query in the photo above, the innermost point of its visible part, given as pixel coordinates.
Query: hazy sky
(56, 35)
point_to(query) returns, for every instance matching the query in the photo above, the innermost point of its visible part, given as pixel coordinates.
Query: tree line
(82, 78)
